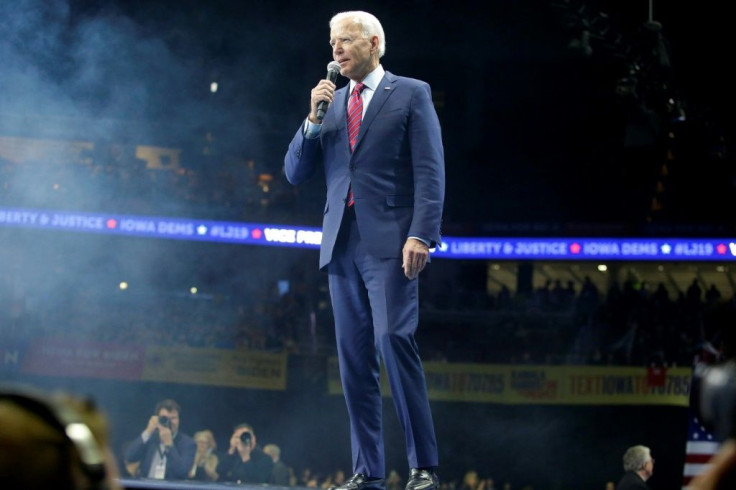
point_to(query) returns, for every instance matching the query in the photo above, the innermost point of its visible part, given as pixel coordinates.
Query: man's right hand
(234, 443)
(152, 425)
(325, 90)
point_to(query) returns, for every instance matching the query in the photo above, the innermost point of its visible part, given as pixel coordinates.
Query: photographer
(245, 462)
(163, 452)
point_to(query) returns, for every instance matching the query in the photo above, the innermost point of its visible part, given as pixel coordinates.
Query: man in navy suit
(385, 192)
(162, 451)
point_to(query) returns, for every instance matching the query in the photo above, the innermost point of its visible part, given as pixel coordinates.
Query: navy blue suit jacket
(396, 169)
(179, 459)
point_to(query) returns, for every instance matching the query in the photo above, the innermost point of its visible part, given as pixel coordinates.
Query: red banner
(60, 357)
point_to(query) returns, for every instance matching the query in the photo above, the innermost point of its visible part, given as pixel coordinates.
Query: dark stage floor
(193, 485)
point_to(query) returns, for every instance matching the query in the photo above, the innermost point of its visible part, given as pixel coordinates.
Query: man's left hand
(167, 438)
(415, 254)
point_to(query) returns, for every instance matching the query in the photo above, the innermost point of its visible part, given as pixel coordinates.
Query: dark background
(539, 126)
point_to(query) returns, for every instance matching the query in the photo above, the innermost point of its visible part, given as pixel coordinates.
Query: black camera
(245, 438)
(165, 421)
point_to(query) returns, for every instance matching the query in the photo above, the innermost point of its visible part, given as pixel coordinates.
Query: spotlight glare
(213, 87)
(193, 290)
(603, 267)
(123, 286)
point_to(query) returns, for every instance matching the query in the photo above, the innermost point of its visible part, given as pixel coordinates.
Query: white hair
(636, 457)
(272, 450)
(369, 25)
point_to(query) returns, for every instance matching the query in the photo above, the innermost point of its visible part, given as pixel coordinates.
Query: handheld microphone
(333, 69)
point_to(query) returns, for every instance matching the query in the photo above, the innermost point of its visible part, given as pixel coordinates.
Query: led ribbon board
(570, 249)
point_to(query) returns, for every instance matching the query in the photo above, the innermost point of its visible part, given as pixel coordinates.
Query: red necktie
(355, 115)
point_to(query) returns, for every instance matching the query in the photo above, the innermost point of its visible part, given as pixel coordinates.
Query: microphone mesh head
(333, 66)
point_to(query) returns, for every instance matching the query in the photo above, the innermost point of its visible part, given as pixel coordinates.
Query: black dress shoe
(422, 480)
(360, 482)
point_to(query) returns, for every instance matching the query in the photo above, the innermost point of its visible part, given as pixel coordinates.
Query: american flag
(701, 445)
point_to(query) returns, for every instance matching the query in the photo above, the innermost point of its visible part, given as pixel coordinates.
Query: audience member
(638, 467)
(163, 451)
(471, 481)
(245, 462)
(333, 480)
(712, 295)
(339, 477)
(281, 474)
(305, 477)
(205, 460)
(694, 292)
(53, 441)
(393, 481)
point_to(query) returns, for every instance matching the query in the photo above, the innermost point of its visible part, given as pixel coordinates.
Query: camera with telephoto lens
(714, 397)
(165, 421)
(245, 438)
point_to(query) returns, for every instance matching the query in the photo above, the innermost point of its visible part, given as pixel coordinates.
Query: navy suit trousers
(376, 314)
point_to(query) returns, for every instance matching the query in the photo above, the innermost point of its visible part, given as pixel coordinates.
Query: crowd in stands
(631, 324)
(112, 178)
